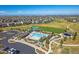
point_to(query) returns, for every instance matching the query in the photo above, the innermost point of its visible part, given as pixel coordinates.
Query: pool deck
(30, 36)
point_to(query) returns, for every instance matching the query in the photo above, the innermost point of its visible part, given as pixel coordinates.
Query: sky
(39, 9)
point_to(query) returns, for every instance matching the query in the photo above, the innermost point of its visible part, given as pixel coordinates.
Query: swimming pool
(38, 35)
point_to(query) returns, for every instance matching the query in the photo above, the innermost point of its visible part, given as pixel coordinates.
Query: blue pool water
(38, 35)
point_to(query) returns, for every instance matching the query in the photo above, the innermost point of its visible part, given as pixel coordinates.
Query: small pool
(38, 35)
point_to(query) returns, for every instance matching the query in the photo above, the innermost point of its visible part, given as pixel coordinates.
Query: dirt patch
(43, 25)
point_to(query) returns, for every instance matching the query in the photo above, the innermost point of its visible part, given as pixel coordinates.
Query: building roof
(67, 34)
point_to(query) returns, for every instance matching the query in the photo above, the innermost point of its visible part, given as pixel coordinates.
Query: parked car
(13, 51)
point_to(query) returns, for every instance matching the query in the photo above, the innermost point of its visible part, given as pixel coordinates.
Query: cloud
(40, 12)
(2, 12)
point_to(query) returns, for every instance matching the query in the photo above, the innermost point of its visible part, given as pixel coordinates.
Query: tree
(65, 38)
(65, 30)
(53, 33)
(47, 41)
(1, 39)
(74, 37)
(1, 30)
(61, 42)
(41, 40)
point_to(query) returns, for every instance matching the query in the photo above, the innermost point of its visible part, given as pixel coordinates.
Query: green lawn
(51, 29)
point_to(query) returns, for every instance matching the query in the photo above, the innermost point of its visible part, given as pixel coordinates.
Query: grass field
(50, 29)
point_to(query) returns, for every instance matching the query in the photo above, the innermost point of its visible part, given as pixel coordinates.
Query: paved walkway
(53, 40)
(71, 45)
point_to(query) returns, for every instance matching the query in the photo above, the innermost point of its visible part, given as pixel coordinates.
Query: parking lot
(24, 49)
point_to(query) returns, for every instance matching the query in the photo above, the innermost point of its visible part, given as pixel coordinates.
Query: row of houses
(15, 20)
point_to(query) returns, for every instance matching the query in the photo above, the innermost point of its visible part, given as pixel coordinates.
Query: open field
(57, 23)
(75, 27)
(70, 41)
(21, 27)
(65, 49)
(70, 50)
